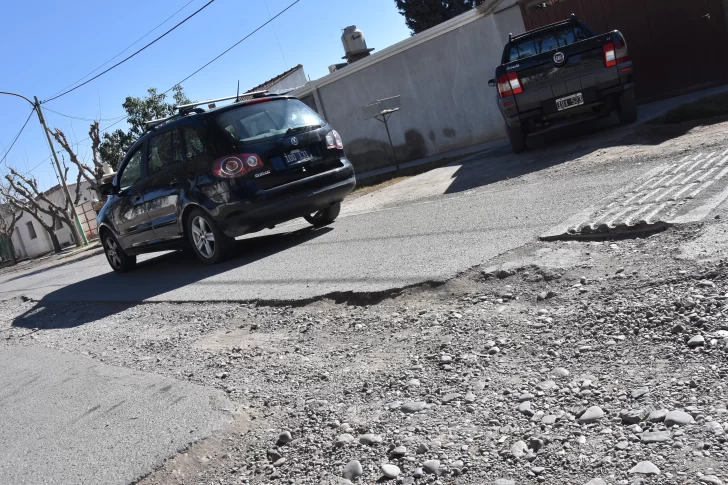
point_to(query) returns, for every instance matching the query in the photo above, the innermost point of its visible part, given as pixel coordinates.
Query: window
(178, 155)
(193, 144)
(257, 122)
(31, 230)
(545, 42)
(159, 154)
(59, 224)
(132, 171)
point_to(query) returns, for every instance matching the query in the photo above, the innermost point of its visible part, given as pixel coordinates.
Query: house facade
(30, 239)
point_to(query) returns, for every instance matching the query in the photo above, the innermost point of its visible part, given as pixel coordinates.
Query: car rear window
(269, 119)
(545, 42)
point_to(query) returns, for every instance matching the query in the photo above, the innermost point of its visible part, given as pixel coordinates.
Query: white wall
(294, 80)
(42, 244)
(442, 77)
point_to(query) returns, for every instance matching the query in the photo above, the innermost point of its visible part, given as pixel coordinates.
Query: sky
(47, 45)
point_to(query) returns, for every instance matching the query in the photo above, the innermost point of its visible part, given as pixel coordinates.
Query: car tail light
(610, 56)
(233, 166)
(620, 49)
(333, 140)
(509, 85)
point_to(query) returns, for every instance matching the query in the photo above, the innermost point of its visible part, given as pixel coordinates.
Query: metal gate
(676, 45)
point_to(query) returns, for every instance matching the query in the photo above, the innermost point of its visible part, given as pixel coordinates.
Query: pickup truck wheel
(324, 217)
(627, 108)
(517, 136)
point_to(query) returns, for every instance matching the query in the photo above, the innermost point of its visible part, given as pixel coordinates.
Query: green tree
(421, 15)
(154, 105)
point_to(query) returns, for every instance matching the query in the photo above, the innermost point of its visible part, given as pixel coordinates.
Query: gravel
(584, 389)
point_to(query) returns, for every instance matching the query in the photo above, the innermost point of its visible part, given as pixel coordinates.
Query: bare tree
(23, 194)
(91, 174)
(9, 216)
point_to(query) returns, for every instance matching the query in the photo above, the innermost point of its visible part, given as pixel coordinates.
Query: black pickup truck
(562, 74)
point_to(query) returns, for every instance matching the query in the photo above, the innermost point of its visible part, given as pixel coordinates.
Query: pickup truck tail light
(610, 55)
(233, 166)
(620, 49)
(509, 85)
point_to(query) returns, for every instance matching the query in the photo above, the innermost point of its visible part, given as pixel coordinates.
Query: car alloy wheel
(112, 253)
(203, 237)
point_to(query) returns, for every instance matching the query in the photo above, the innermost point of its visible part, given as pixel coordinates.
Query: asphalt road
(429, 227)
(68, 419)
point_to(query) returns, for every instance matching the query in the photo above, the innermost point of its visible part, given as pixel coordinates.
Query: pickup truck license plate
(296, 156)
(569, 101)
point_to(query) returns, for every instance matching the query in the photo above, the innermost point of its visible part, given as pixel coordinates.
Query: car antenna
(238, 93)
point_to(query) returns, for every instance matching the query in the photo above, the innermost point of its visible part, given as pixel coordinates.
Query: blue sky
(47, 45)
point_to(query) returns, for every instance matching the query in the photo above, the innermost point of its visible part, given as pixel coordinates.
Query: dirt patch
(707, 110)
(710, 245)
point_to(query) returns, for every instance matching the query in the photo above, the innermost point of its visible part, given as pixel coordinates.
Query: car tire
(208, 242)
(627, 108)
(324, 217)
(517, 137)
(116, 256)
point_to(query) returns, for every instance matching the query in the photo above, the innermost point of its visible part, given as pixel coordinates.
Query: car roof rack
(185, 107)
(195, 108)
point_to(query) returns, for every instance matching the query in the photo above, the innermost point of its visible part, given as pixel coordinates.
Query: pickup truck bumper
(596, 103)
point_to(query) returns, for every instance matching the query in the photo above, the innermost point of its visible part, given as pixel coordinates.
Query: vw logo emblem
(294, 141)
(559, 58)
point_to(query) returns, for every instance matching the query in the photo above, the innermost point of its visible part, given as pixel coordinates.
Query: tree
(421, 15)
(9, 215)
(22, 193)
(115, 145)
(91, 174)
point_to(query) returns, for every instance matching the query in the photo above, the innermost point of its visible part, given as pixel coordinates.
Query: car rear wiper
(301, 128)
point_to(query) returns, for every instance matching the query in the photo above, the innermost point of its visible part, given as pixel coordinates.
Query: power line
(127, 48)
(80, 118)
(235, 44)
(198, 70)
(130, 56)
(17, 136)
(285, 63)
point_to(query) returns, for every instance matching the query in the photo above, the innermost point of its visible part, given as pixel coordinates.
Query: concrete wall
(294, 80)
(443, 83)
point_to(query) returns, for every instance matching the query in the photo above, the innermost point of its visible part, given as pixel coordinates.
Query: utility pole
(79, 236)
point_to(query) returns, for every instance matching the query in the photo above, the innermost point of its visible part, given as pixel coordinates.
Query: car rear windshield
(546, 41)
(269, 119)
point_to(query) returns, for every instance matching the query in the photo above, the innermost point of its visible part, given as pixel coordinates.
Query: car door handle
(173, 182)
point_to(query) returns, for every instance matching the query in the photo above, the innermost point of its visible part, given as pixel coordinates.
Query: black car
(563, 74)
(201, 178)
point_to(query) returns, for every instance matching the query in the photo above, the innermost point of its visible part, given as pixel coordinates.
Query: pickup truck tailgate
(583, 71)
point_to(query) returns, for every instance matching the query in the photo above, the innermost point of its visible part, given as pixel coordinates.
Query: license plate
(296, 156)
(569, 101)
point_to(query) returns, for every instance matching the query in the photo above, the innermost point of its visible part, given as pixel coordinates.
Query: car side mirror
(491, 83)
(107, 189)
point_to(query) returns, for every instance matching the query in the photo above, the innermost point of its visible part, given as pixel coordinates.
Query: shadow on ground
(560, 146)
(152, 277)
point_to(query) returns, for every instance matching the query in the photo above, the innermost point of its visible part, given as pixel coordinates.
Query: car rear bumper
(283, 203)
(597, 102)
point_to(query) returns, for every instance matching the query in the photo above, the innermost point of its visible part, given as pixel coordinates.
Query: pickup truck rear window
(545, 42)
